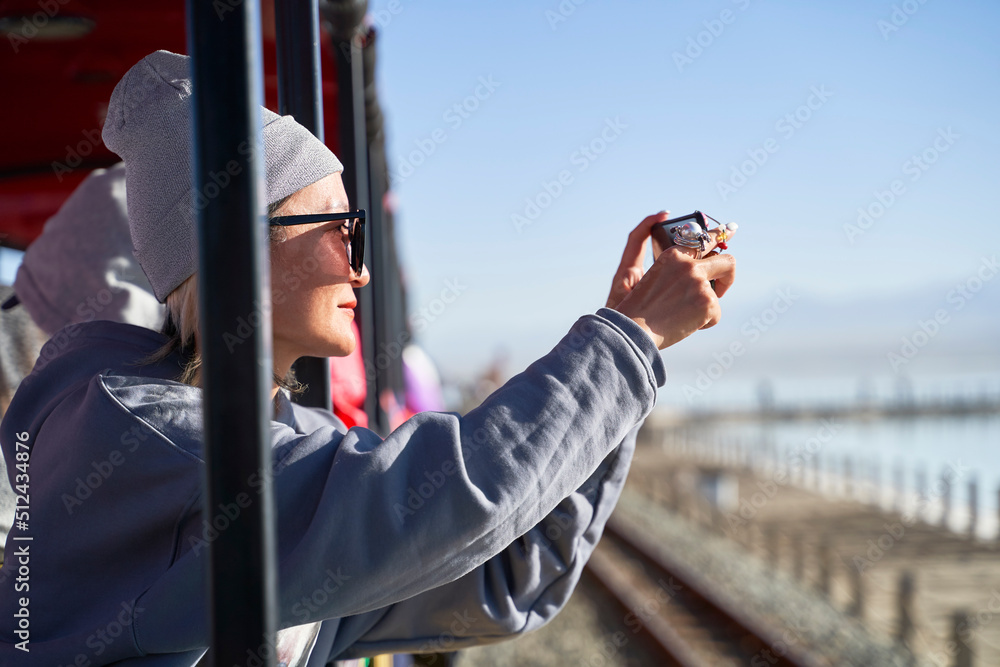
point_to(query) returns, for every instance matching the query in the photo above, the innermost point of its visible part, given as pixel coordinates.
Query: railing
(227, 92)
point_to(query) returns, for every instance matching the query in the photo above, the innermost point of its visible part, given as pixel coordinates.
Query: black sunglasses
(355, 237)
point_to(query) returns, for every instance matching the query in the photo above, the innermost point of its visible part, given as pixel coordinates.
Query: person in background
(423, 383)
(349, 386)
(80, 269)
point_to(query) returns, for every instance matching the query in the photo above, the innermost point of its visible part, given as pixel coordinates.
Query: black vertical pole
(390, 334)
(348, 43)
(300, 94)
(233, 274)
(300, 77)
(376, 415)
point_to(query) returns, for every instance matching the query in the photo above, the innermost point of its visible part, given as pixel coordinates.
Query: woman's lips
(349, 306)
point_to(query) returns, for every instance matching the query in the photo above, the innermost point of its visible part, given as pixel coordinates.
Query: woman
(452, 531)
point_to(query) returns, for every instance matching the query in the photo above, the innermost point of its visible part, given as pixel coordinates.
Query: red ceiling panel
(56, 90)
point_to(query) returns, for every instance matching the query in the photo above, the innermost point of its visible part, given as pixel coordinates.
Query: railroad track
(687, 622)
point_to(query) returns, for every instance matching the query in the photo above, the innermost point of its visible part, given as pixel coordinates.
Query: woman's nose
(363, 279)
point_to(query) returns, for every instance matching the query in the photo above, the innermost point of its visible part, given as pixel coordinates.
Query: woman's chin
(339, 346)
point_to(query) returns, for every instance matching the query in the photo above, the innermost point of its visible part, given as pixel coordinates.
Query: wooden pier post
(973, 507)
(848, 477)
(876, 479)
(945, 498)
(829, 475)
(921, 489)
(675, 491)
(771, 544)
(817, 467)
(857, 608)
(798, 556)
(899, 488)
(823, 569)
(904, 610)
(758, 540)
(959, 639)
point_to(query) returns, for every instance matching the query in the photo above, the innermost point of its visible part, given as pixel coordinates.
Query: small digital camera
(665, 233)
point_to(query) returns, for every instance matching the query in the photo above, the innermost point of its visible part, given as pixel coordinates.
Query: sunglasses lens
(357, 245)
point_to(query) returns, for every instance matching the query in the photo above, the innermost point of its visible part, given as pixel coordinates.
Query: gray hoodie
(450, 532)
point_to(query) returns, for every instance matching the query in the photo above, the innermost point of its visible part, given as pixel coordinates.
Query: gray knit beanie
(149, 125)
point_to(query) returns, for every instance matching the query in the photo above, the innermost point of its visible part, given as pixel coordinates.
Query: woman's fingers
(720, 272)
(721, 269)
(630, 268)
(635, 248)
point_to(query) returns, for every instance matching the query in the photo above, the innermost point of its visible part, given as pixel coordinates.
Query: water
(746, 393)
(885, 454)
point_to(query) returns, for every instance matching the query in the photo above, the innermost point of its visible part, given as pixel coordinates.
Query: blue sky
(785, 117)
(528, 138)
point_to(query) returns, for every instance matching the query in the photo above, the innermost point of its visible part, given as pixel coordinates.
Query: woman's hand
(630, 270)
(675, 297)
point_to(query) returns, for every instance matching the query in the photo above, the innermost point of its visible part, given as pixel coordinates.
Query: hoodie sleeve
(519, 590)
(366, 523)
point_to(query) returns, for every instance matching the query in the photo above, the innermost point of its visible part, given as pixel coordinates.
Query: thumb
(624, 282)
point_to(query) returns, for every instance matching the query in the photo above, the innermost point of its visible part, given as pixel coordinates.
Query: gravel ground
(584, 633)
(800, 615)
